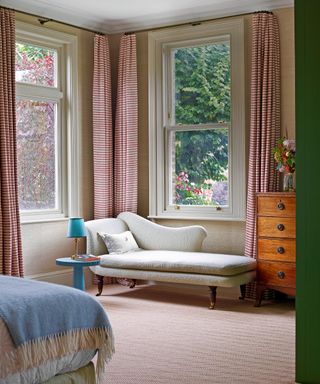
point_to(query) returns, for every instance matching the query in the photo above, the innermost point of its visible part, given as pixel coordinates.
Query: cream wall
(44, 242)
(223, 236)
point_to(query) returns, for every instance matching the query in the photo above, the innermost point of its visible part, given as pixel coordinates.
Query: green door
(307, 37)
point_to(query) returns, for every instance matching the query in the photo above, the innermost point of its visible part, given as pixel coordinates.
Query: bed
(50, 333)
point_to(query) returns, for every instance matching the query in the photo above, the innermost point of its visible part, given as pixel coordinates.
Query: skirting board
(63, 277)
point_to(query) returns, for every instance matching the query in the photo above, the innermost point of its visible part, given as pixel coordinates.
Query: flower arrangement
(285, 155)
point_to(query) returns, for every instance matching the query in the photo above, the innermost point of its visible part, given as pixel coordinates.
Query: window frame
(65, 94)
(160, 116)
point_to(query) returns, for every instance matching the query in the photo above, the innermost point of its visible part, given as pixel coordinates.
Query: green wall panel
(307, 40)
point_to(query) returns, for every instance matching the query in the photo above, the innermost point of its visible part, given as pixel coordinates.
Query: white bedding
(41, 373)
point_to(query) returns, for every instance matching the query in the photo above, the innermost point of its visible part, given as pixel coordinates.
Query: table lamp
(76, 229)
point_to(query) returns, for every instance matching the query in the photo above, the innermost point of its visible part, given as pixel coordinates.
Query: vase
(288, 185)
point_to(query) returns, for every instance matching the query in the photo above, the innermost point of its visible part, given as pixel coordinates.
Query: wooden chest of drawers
(276, 242)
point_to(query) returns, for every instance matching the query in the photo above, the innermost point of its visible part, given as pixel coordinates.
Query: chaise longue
(165, 254)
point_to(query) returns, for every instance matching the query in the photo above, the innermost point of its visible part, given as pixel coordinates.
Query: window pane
(36, 141)
(200, 167)
(35, 65)
(202, 84)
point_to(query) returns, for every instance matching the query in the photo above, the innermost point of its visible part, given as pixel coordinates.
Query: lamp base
(75, 255)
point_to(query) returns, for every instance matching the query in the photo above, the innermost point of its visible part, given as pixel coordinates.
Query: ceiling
(114, 16)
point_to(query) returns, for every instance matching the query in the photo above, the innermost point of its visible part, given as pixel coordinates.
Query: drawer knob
(281, 275)
(280, 250)
(280, 227)
(281, 206)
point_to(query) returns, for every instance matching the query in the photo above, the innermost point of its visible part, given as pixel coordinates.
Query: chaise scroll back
(152, 236)
(148, 235)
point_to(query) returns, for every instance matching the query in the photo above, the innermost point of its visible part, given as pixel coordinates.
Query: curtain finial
(42, 21)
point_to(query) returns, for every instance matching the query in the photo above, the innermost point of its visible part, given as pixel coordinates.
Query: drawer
(277, 249)
(277, 273)
(277, 227)
(277, 206)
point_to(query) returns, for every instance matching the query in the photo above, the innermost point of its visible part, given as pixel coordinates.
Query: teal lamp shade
(76, 227)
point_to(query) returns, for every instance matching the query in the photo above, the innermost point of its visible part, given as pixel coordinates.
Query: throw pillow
(119, 242)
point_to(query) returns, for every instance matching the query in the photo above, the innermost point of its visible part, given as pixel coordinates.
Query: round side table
(78, 265)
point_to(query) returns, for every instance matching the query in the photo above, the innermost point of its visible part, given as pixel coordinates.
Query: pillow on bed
(119, 242)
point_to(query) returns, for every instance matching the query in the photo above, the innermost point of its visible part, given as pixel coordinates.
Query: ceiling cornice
(161, 20)
(107, 25)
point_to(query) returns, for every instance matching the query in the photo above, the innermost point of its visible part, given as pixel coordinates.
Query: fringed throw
(48, 321)
(37, 352)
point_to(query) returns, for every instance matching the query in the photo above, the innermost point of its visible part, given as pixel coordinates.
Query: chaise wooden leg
(100, 285)
(242, 291)
(213, 296)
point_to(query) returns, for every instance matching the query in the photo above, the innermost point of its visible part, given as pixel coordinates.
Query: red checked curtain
(264, 118)
(126, 129)
(11, 262)
(102, 130)
(115, 152)
(264, 122)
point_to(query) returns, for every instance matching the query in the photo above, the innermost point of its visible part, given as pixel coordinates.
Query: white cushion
(185, 262)
(95, 244)
(119, 242)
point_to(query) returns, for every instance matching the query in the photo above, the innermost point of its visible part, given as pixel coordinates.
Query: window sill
(42, 220)
(195, 218)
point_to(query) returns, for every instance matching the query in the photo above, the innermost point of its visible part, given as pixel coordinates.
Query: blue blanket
(35, 310)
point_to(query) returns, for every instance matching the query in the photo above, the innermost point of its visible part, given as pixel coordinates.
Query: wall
(223, 236)
(44, 242)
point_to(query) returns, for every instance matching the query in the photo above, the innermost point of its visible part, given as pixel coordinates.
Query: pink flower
(183, 176)
(289, 144)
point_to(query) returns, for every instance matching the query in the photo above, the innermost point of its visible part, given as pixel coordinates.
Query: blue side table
(78, 265)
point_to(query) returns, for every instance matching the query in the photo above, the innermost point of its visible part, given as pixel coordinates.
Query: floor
(165, 334)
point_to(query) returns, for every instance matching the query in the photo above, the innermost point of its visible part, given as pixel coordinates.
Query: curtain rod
(42, 20)
(198, 22)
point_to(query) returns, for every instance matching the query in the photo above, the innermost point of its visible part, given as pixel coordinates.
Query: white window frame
(65, 93)
(160, 115)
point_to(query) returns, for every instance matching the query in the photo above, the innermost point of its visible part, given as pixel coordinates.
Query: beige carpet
(166, 335)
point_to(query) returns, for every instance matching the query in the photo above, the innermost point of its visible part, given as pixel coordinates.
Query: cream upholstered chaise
(166, 254)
